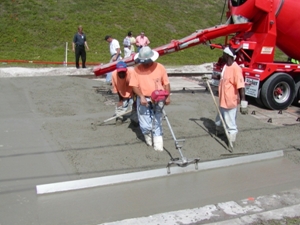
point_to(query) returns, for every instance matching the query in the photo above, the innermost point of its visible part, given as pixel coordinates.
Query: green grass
(39, 30)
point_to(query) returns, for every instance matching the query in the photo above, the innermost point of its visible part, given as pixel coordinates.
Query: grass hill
(39, 30)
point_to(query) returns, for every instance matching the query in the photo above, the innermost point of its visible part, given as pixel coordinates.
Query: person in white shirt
(115, 53)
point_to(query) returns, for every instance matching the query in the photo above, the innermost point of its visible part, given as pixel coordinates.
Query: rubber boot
(232, 138)
(148, 139)
(158, 143)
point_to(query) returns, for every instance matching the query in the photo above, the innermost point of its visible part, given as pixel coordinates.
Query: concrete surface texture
(46, 136)
(246, 211)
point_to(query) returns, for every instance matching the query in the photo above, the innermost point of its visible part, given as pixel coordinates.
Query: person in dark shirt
(79, 44)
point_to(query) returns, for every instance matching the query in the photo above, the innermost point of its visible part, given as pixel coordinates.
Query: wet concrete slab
(185, 166)
(193, 190)
(185, 84)
(25, 166)
(26, 158)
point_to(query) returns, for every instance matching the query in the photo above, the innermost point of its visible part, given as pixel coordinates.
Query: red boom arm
(198, 37)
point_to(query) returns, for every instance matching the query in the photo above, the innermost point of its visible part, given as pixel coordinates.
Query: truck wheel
(278, 91)
(297, 91)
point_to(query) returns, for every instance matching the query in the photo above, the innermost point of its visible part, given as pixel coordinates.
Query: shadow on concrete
(209, 127)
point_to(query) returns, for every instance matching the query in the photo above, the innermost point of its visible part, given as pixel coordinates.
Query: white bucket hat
(229, 52)
(145, 54)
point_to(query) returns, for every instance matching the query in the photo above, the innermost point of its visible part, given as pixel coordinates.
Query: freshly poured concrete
(46, 137)
(184, 191)
(144, 175)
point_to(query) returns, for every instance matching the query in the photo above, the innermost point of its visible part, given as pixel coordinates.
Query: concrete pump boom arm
(196, 38)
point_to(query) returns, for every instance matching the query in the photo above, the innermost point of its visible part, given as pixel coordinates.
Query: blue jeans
(148, 121)
(127, 105)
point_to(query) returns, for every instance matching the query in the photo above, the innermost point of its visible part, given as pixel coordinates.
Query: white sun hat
(145, 54)
(229, 52)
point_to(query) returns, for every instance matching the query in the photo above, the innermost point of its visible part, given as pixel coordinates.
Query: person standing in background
(115, 53)
(78, 46)
(141, 41)
(132, 41)
(127, 46)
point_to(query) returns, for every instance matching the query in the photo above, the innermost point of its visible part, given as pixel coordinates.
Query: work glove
(244, 107)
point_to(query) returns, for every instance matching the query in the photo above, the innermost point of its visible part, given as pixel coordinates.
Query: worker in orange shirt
(147, 77)
(231, 92)
(120, 82)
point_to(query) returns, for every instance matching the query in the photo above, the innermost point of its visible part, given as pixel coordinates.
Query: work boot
(148, 139)
(158, 143)
(233, 144)
(232, 138)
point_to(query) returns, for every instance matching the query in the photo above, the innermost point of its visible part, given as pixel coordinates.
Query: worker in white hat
(146, 78)
(231, 93)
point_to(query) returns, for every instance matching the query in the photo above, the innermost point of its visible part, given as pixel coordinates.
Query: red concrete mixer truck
(254, 29)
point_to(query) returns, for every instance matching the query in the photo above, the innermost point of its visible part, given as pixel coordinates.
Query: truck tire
(297, 91)
(258, 99)
(278, 91)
